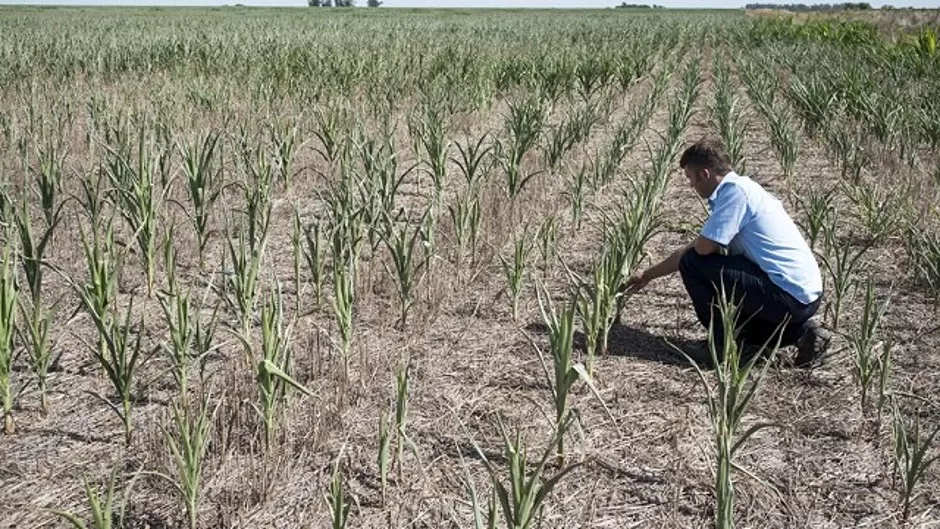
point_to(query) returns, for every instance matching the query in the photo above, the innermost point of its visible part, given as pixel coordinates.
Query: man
(751, 245)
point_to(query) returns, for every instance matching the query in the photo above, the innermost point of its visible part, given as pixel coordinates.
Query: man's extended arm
(670, 265)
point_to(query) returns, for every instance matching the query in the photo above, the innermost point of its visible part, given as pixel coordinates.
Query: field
(289, 267)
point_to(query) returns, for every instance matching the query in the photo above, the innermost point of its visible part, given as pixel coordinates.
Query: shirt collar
(731, 175)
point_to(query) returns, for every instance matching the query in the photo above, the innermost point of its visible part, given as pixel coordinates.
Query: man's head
(705, 163)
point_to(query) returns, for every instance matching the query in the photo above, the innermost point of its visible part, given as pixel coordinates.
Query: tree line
(852, 6)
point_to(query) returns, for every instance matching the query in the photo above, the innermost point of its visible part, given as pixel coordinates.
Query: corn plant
(879, 211)
(103, 513)
(465, 216)
(37, 322)
(473, 161)
(852, 155)
(8, 302)
(51, 154)
(841, 262)
(815, 101)
(405, 269)
(401, 418)
(566, 372)
(577, 192)
(818, 212)
(515, 270)
(336, 498)
(864, 341)
(274, 364)
(547, 237)
(726, 114)
(283, 137)
(728, 399)
(477, 509)
(525, 124)
(246, 257)
(204, 183)
(135, 194)
(344, 282)
(314, 256)
(178, 315)
(328, 132)
(923, 249)
(120, 358)
(784, 139)
(523, 497)
(595, 305)
(431, 135)
(188, 441)
(911, 459)
(383, 459)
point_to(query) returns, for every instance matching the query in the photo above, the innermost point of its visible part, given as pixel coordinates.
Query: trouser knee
(688, 263)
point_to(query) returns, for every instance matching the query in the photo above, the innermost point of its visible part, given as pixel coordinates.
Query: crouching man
(751, 245)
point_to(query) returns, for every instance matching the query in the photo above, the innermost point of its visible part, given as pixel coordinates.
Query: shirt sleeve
(727, 215)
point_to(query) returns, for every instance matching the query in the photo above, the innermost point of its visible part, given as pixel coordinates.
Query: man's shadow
(623, 340)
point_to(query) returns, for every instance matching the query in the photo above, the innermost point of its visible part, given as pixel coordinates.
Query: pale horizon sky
(461, 3)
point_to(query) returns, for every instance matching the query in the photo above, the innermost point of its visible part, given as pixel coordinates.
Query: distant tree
(345, 3)
(314, 3)
(374, 3)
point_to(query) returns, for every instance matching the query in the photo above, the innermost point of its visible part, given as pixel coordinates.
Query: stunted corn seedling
(430, 133)
(524, 124)
(328, 131)
(314, 256)
(120, 358)
(245, 255)
(384, 454)
(911, 458)
(103, 514)
(346, 238)
(188, 439)
(595, 306)
(336, 498)
(864, 344)
(565, 371)
(783, 138)
(135, 195)
(51, 153)
(202, 167)
(406, 269)
(522, 498)
(274, 363)
(465, 216)
(402, 395)
(726, 114)
(818, 212)
(473, 161)
(515, 270)
(178, 315)
(878, 210)
(729, 397)
(842, 263)
(8, 302)
(283, 135)
(37, 322)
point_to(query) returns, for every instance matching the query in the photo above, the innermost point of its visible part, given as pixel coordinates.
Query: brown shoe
(812, 345)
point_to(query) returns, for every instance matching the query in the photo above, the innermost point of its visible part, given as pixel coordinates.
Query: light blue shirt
(751, 222)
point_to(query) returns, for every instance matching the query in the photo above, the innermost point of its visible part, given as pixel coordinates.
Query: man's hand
(635, 283)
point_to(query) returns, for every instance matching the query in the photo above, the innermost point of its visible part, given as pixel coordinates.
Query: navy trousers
(762, 305)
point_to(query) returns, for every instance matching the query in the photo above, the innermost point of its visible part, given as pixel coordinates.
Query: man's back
(753, 223)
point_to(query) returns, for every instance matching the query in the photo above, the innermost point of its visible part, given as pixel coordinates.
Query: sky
(469, 3)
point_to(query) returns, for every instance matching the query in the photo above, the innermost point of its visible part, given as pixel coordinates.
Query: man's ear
(704, 173)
